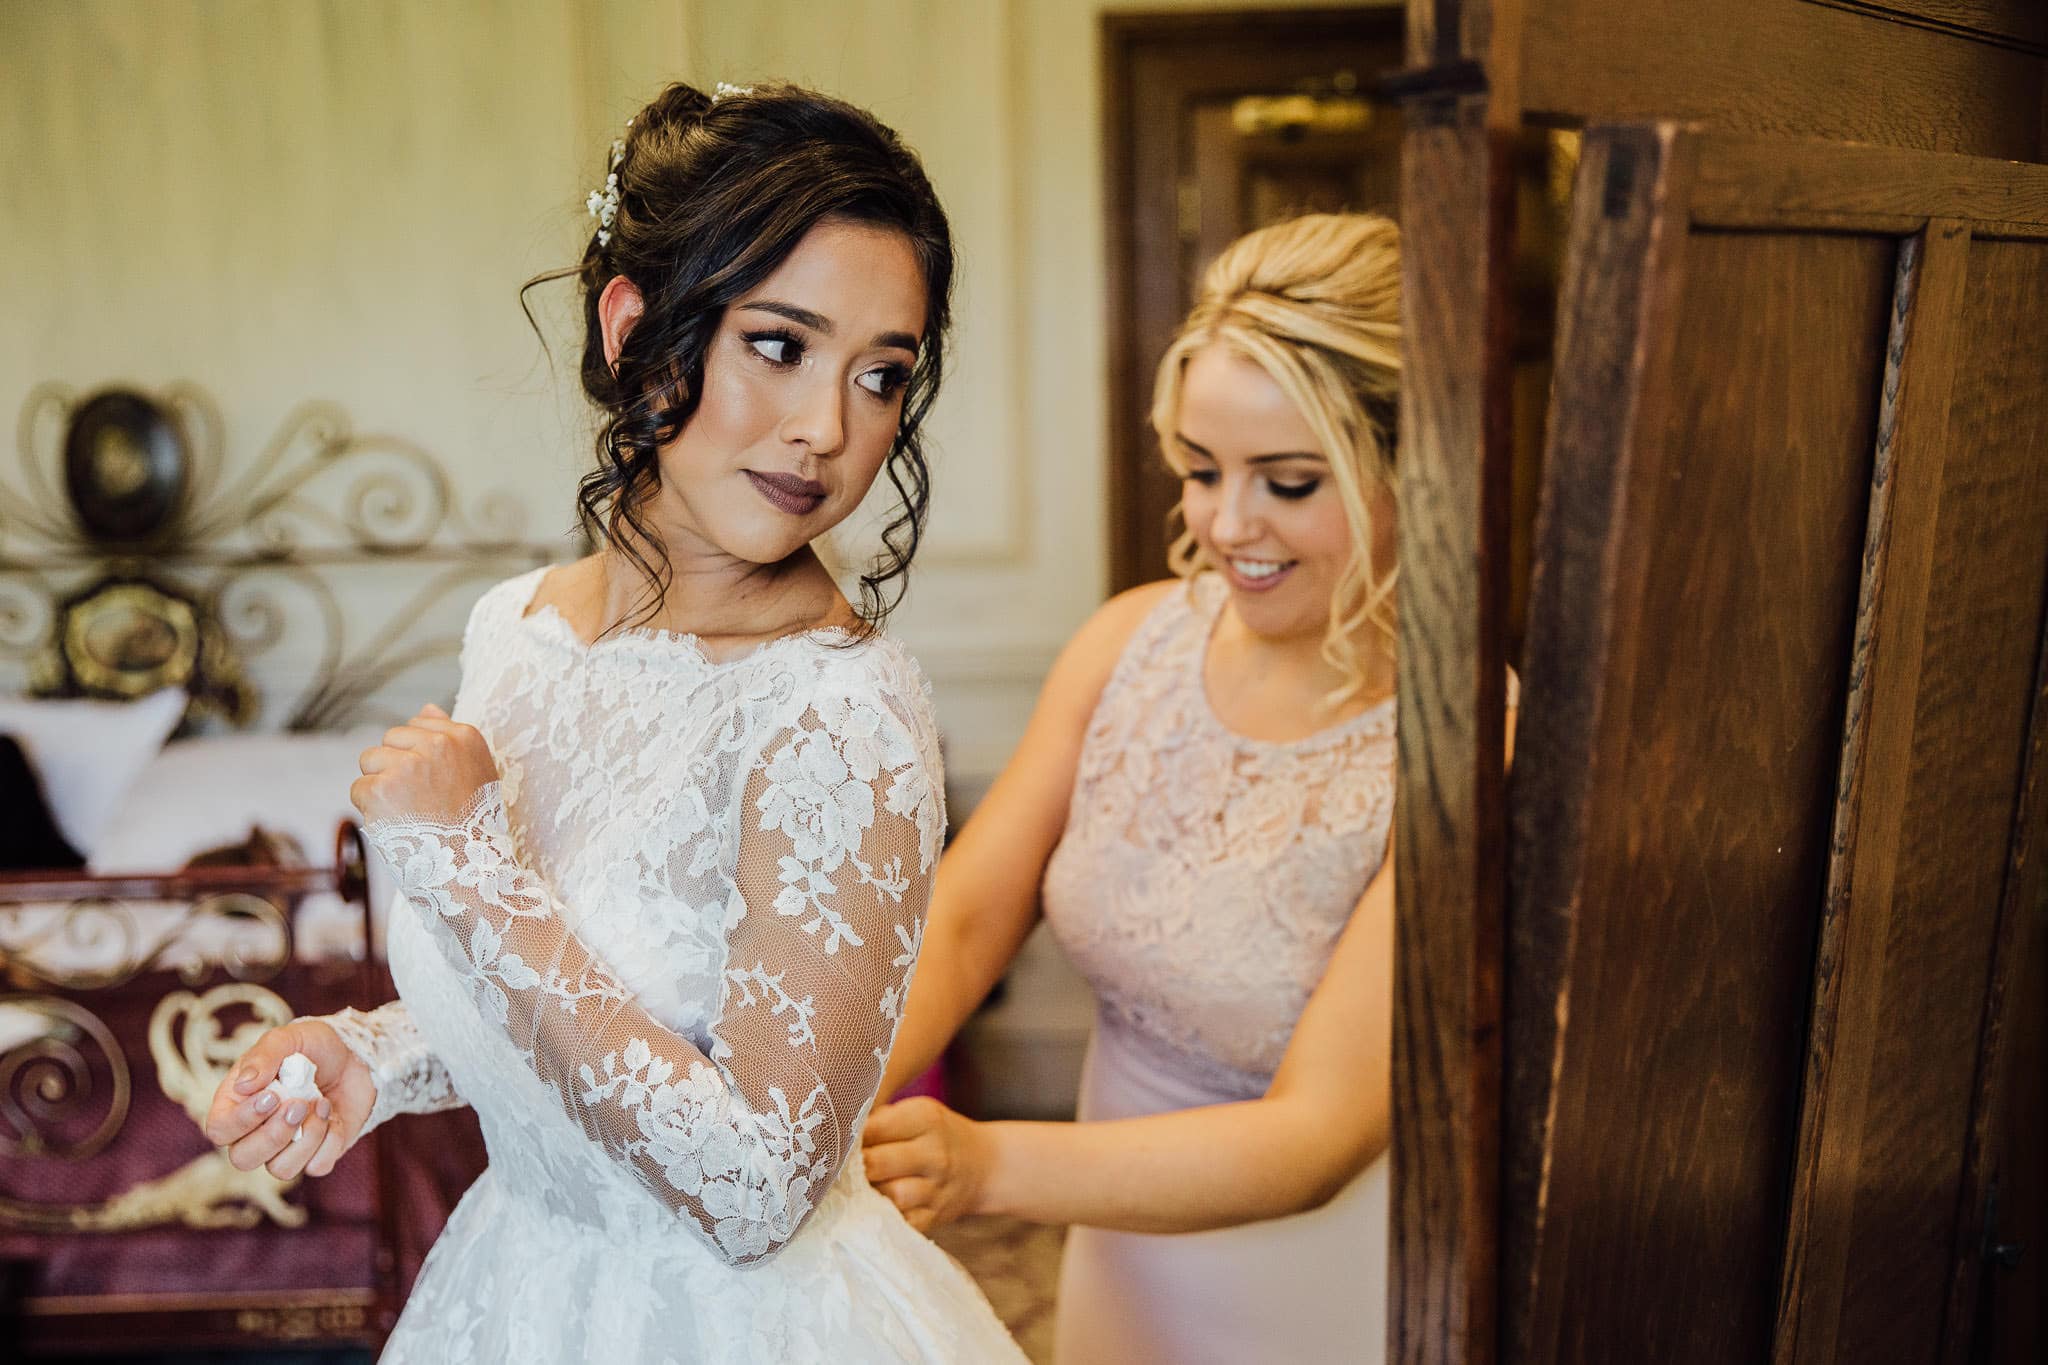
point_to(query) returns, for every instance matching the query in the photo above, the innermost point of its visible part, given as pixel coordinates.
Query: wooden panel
(1898, 569)
(2000, 1294)
(1454, 479)
(1784, 68)
(1710, 763)
(1923, 831)
(1615, 308)
(2000, 418)
(1766, 182)
(1951, 690)
(2021, 24)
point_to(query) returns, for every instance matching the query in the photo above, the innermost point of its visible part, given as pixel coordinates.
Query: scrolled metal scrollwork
(192, 1050)
(240, 566)
(47, 1078)
(97, 942)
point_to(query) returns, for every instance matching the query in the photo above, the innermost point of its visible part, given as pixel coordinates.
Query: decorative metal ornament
(132, 558)
(123, 638)
(126, 467)
(193, 1051)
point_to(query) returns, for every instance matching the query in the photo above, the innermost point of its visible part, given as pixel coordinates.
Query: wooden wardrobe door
(1771, 867)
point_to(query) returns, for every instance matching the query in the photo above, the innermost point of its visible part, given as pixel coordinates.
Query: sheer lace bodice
(688, 909)
(663, 958)
(1203, 877)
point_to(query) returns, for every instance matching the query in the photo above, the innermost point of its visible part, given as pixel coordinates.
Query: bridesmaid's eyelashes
(1292, 492)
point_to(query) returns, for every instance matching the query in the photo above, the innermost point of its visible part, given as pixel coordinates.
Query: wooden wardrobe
(1720, 1018)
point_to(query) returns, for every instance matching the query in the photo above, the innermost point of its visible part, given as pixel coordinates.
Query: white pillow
(206, 792)
(202, 793)
(87, 752)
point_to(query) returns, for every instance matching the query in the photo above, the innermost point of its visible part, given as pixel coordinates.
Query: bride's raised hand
(258, 1128)
(929, 1161)
(429, 768)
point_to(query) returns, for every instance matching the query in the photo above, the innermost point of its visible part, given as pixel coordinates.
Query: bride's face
(803, 391)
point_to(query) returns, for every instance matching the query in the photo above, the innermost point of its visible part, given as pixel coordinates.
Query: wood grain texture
(1884, 667)
(1454, 483)
(1996, 1297)
(1707, 793)
(1783, 68)
(2020, 24)
(1747, 181)
(1613, 339)
(1961, 778)
(2001, 423)
(1999, 1301)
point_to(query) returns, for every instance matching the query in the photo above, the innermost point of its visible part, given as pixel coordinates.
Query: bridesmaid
(1202, 806)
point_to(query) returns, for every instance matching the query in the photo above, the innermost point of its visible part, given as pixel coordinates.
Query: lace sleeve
(839, 830)
(409, 1077)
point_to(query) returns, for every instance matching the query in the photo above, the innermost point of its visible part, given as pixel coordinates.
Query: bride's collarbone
(582, 597)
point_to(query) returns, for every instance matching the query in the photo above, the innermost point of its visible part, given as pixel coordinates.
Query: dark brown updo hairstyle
(713, 195)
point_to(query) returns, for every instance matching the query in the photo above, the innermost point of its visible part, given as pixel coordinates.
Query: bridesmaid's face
(803, 393)
(1259, 495)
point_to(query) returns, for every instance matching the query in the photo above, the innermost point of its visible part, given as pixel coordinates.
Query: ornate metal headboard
(334, 563)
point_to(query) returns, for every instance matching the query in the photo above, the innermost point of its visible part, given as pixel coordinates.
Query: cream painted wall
(338, 198)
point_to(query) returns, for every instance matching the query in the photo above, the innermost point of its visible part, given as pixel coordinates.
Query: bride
(665, 869)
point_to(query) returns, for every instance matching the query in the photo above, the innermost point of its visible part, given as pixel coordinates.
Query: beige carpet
(1018, 1266)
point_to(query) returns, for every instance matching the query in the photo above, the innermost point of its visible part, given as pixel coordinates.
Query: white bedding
(202, 793)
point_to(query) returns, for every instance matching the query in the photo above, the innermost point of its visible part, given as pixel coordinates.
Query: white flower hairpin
(604, 204)
(724, 90)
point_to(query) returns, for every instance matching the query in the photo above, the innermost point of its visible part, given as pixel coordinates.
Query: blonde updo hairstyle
(1315, 302)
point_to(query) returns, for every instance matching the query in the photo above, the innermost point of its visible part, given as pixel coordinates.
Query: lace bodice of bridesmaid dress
(1204, 877)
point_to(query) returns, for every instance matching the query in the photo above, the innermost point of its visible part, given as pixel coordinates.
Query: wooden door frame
(1125, 37)
(1466, 97)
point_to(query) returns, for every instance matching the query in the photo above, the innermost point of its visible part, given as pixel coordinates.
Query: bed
(199, 648)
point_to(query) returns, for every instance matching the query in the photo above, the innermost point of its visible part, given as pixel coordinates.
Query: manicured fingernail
(266, 1102)
(324, 1110)
(247, 1080)
(295, 1112)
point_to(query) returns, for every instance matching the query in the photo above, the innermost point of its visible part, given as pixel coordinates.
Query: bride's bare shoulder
(568, 588)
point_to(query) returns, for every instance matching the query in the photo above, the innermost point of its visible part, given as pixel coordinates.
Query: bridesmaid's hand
(931, 1163)
(257, 1128)
(429, 768)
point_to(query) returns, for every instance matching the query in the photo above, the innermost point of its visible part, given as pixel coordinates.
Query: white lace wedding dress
(1200, 886)
(663, 958)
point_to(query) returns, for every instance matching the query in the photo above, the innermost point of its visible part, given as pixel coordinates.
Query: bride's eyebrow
(822, 325)
(817, 322)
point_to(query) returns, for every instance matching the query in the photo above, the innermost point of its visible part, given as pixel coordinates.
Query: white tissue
(295, 1082)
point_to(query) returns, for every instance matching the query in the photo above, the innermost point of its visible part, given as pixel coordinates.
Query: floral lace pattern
(782, 836)
(409, 1077)
(1203, 878)
(663, 958)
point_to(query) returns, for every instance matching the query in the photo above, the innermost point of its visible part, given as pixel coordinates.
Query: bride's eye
(884, 381)
(777, 348)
